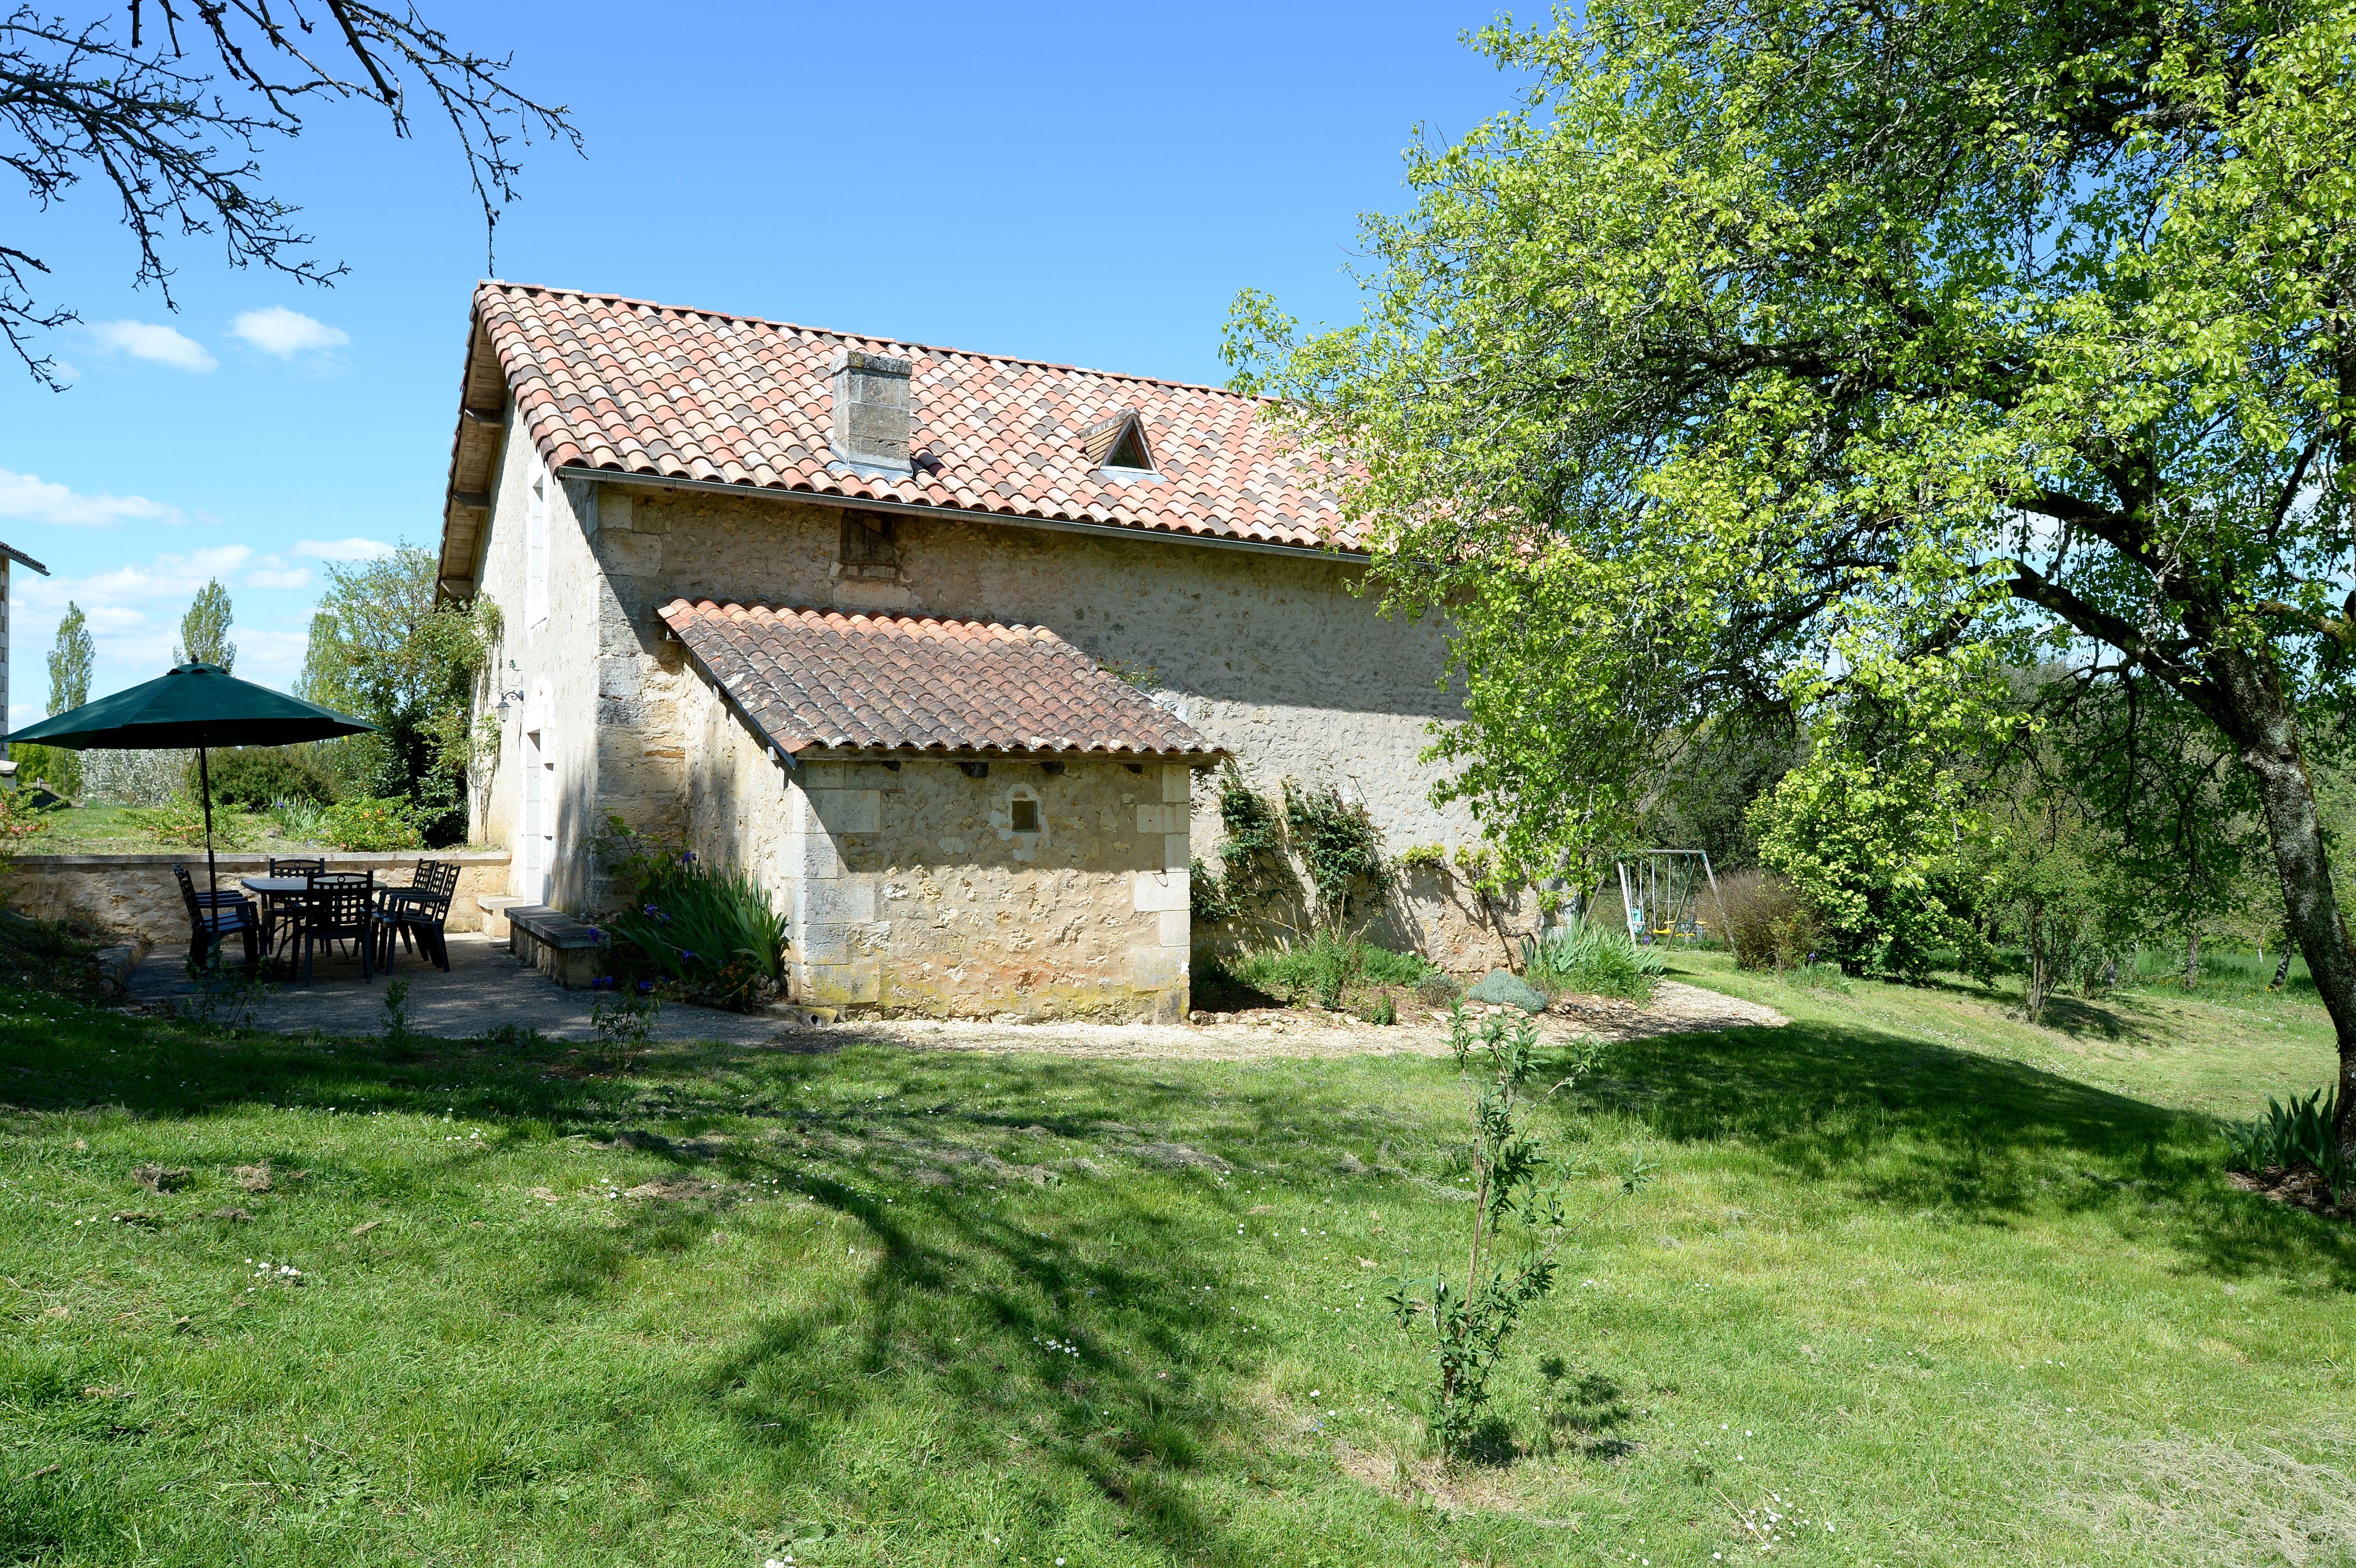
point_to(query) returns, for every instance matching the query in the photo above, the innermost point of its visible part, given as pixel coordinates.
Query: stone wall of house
(911, 891)
(595, 681)
(137, 894)
(1276, 658)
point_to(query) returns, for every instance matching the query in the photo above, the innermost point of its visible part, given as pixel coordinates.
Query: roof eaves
(1185, 533)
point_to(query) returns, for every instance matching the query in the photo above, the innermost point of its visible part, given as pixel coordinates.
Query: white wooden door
(537, 846)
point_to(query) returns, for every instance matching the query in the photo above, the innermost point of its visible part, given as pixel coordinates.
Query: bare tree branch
(166, 134)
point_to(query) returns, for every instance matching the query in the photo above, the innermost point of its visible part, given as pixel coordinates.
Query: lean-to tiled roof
(864, 682)
(626, 387)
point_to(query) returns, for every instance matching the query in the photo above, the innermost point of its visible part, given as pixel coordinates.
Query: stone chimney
(870, 411)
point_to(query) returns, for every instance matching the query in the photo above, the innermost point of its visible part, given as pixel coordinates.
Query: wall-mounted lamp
(506, 698)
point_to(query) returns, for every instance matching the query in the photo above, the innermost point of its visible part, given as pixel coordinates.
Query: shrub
(1504, 988)
(2301, 1136)
(1470, 1322)
(1438, 989)
(1768, 924)
(52, 766)
(1326, 966)
(706, 934)
(132, 778)
(371, 824)
(256, 777)
(180, 821)
(1592, 959)
(715, 936)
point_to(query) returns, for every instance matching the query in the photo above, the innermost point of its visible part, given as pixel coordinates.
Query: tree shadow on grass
(1973, 1139)
(1078, 1356)
(1083, 1351)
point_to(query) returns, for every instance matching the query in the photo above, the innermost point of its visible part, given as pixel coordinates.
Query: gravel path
(486, 988)
(1677, 1008)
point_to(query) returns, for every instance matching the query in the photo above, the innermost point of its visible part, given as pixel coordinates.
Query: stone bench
(553, 943)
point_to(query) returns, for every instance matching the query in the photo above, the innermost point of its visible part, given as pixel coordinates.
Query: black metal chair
(214, 916)
(277, 909)
(417, 916)
(338, 906)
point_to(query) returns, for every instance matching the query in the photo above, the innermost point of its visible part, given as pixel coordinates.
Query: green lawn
(119, 830)
(1915, 1285)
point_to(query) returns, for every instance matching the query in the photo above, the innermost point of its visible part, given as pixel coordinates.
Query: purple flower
(602, 983)
(595, 935)
(686, 953)
(645, 988)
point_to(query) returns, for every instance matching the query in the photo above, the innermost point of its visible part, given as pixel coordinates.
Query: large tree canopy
(1824, 357)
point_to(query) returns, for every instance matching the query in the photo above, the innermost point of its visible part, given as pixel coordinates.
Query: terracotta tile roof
(629, 386)
(822, 677)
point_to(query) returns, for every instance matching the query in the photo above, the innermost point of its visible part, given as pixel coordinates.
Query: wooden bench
(555, 943)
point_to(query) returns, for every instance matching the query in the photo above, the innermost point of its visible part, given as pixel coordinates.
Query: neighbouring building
(943, 646)
(9, 554)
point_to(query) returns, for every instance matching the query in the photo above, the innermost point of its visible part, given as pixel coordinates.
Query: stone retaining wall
(137, 894)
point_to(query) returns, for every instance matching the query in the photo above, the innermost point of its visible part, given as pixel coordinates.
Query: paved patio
(484, 988)
(487, 987)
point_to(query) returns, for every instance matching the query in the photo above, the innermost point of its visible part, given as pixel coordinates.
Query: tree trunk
(2255, 715)
(2038, 981)
(2191, 953)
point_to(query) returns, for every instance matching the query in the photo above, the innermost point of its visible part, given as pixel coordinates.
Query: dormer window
(1118, 443)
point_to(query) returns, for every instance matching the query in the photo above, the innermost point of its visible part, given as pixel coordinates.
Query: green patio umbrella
(199, 706)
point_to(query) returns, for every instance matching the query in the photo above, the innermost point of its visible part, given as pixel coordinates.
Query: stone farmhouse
(944, 647)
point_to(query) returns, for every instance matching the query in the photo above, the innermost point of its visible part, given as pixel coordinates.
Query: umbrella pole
(205, 788)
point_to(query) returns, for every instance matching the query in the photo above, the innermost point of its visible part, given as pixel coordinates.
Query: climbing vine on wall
(1311, 853)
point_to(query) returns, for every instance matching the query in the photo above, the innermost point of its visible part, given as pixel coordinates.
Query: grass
(118, 830)
(1964, 1290)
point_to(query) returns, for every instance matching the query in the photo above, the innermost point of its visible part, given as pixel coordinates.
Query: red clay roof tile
(863, 682)
(633, 387)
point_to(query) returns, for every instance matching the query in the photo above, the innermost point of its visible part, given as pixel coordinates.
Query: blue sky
(1090, 185)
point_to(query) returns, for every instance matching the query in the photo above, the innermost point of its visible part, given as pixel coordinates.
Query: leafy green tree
(2054, 875)
(1878, 832)
(1769, 350)
(2177, 806)
(71, 658)
(204, 630)
(383, 650)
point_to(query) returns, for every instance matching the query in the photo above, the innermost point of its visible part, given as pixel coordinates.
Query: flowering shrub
(697, 933)
(371, 824)
(181, 820)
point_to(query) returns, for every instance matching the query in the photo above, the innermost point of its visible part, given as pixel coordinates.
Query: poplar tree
(204, 630)
(71, 658)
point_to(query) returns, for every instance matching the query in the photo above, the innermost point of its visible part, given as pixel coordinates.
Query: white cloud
(30, 497)
(135, 616)
(286, 333)
(150, 340)
(354, 549)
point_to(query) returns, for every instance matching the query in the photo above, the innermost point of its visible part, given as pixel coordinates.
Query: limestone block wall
(1279, 659)
(593, 679)
(911, 891)
(1276, 658)
(138, 894)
